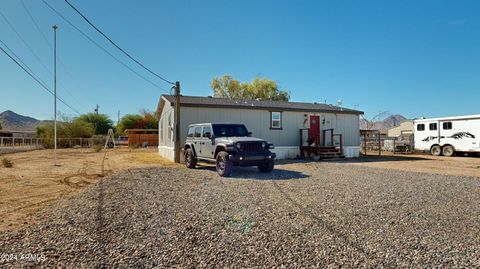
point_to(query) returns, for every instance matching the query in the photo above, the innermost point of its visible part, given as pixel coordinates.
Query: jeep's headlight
(239, 145)
(264, 145)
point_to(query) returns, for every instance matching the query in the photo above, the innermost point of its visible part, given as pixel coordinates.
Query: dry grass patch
(147, 157)
(41, 183)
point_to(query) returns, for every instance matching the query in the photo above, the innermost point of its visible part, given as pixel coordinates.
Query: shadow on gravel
(100, 220)
(253, 173)
(373, 159)
(341, 236)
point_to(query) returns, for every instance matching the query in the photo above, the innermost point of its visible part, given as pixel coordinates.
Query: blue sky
(416, 58)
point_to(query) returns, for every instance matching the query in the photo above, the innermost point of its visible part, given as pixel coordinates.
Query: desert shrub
(134, 146)
(66, 128)
(7, 163)
(97, 148)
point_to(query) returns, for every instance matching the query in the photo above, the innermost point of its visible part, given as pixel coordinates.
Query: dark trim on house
(210, 102)
(270, 108)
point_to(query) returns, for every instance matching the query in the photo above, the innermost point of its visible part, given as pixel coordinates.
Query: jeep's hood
(238, 139)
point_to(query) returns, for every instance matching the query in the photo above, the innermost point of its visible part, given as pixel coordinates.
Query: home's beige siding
(258, 122)
(286, 140)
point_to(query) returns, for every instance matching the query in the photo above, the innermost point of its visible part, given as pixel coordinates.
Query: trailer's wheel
(448, 151)
(436, 150)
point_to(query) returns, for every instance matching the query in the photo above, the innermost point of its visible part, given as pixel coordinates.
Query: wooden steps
(323, 152)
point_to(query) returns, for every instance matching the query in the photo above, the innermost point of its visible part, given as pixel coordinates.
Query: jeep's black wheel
(224, 165)
(266, 167)
(190, 160)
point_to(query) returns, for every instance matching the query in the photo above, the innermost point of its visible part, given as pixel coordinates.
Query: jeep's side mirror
(249, 134)
(208, 135)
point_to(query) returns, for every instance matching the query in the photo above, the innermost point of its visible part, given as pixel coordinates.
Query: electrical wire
(100, 47)
(117, 46)
(32, 75)
(37, 27)
(25, 42)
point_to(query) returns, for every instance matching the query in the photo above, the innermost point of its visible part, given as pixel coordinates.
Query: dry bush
(7, 163)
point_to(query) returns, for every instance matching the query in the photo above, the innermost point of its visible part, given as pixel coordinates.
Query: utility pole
(177, 122)
(118, 117)
(96, 110)
(55, 91)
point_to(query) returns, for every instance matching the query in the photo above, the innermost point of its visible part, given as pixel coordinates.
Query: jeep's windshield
(226, 130)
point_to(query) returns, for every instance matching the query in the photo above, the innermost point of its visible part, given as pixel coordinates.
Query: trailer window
(420, 127)
(433, 126)
(447, 125)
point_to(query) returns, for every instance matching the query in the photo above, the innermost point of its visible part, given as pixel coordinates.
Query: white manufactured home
(288, 125)
(445, 136)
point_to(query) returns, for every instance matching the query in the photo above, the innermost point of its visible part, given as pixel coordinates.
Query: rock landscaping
(301, 215)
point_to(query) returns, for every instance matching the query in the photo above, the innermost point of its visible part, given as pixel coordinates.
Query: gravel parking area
(302, 215)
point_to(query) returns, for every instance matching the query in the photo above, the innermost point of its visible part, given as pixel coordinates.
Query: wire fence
(16, 144)
(377, 145)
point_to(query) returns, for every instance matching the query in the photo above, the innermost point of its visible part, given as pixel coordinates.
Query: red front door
(314, 130)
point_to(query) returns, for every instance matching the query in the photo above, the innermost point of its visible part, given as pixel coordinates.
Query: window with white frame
(275, 120)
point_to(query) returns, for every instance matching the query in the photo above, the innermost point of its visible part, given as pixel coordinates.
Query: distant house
(405, 128)
(281, 123)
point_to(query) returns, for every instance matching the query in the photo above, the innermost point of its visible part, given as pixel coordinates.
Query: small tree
(259, 88)
(129, 121)
(67, 128)
(101, 122)
(145, 120)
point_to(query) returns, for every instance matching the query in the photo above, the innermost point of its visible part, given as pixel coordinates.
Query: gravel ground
(302, 215)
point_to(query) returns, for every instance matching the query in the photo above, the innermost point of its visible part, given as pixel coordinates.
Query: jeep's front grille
(252, 146)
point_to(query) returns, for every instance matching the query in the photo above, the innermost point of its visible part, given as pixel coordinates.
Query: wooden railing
(321, 142)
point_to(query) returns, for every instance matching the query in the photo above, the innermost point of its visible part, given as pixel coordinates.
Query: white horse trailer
(445, 136)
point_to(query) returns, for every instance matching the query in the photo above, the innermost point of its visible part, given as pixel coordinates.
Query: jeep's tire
(224, 165)
(190, 160)
(436, 150)
(266, 167)
(448, 151)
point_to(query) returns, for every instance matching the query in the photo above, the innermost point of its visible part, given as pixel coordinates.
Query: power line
(25, 42)
(117, 46)
(32, 75)
(102, 48)
(20, 60)
(37, 27)
(36, 24)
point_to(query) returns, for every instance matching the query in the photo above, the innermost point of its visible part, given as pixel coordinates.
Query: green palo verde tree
(259, 88)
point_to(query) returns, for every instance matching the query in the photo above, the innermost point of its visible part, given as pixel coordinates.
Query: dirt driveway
(460, 166)
(34, 182)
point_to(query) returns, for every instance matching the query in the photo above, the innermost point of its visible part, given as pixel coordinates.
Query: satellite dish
(339, 102)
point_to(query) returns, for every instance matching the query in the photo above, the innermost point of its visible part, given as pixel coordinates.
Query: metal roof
(201, 101)
(466, 117)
